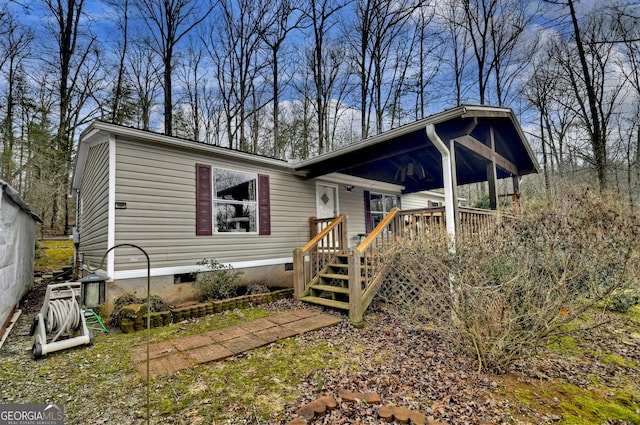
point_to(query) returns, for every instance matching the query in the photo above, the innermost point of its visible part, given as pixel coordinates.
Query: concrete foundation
(274, 276)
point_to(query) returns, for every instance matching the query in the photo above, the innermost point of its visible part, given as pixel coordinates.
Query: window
(234, 201)
(377, 206)
(231, 201)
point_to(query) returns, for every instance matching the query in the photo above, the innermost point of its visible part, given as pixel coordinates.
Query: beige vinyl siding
(418, 200)
(352, 205)
(158, 185)
(94, 205)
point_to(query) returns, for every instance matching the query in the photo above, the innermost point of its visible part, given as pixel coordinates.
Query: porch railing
(369, 260)
(367, 263)
(309, 260)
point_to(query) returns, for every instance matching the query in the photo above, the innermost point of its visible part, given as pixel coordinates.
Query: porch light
(92, 290)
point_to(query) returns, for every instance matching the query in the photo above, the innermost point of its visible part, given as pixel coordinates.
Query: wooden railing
(309, 260)
(476, 222)
(367, 264)
(317, 225)
(369, 260)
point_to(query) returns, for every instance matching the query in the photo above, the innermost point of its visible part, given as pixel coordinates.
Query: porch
(327, 272)
(462, 145)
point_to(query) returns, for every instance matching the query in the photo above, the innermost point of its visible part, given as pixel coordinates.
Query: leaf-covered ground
(587, 378)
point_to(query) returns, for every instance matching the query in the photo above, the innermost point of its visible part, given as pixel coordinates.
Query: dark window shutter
(204, 225)
(264, 205)
(399, 202)
(367, 212)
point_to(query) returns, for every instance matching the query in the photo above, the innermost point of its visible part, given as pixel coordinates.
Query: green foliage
(504, 293)
(220, 282)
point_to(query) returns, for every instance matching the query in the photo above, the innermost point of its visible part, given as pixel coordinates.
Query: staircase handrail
(309, 260)
(371, 237)
(339, 220)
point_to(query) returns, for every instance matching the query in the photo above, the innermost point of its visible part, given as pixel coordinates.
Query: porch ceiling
(405, 156)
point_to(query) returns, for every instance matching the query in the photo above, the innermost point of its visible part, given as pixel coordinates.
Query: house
(17, 249)
(184, 201)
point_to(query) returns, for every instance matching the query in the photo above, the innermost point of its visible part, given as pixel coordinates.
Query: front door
(326, 200)
(326, 207)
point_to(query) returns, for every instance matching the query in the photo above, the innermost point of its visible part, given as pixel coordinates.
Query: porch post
(492, 177)
(298, 273)
(449, 190)
(355, 287)
(515, 180)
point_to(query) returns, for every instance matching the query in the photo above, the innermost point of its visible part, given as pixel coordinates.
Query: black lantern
(92, 290)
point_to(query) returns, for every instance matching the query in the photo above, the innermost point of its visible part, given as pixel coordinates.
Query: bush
(506, 293)
(219, 283)
(257, 288)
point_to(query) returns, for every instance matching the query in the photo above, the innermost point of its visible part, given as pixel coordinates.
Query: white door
(327, 207)
(326, 200)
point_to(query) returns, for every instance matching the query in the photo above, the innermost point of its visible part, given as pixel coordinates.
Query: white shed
(17, 249)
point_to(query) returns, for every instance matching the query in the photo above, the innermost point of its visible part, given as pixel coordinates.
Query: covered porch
(466, 144)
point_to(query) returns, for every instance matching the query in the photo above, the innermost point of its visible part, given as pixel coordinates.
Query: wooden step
(329, 303)
(330, 288)
(334, 276)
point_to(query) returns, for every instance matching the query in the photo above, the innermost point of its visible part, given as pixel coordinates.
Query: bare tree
(452, 18)
(15, 47)
(380, 25)
(429, 57)
(588, 64)
(119, 112)
(76, 65)
(144, 75)
(323, 15)
(168, 22)
(281, 18)
(494, 29)
(193, 81)
(235, 46)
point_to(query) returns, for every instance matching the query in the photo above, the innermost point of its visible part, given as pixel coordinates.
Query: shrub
(257, 288)
(505, 293)
(219, 282)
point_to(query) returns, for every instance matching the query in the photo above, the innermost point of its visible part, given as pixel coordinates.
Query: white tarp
(17, 249)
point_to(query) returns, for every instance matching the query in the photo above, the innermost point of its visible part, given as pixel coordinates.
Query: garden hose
(63, 316)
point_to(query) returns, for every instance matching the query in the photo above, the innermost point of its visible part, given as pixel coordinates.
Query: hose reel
(61, 322)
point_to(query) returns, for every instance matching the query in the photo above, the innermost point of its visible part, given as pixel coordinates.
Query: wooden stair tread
(334, 276)
(329, 303)
(340, 265)
(330, 288)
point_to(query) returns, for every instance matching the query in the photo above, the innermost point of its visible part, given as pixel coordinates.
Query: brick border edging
(177, 314)
(387, 413)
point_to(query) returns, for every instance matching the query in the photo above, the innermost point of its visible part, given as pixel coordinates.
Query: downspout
(77, 269)
(447, 176)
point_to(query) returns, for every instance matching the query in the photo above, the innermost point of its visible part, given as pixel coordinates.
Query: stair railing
(369, 260)
(366, 264)
(312, 258)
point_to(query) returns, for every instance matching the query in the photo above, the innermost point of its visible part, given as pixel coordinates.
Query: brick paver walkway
(184, 352)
